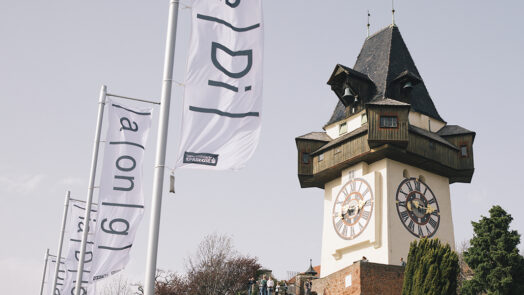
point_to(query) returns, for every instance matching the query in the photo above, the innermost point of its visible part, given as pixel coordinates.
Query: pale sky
(55, 55)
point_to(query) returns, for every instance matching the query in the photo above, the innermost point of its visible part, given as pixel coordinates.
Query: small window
(464, 151)
(363, 119)
(343, 128)
(321, 157)
(305, 158)
(388, 122)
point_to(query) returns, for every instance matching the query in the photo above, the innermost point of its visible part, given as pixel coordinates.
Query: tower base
(362, 278)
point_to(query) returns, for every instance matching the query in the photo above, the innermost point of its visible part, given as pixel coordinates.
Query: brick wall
(366, 278)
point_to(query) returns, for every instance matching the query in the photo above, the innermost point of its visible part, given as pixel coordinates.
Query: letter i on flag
(223, 93)
(76, 226)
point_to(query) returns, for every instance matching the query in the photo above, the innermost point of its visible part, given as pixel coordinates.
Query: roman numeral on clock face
(410, 187)
(420, 233)
(417, 185)
(353, 186)
(365, 215)
(404, 215)
(339, 224)
(432, 222)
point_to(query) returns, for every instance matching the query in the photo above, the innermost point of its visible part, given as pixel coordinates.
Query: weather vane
(392, 12)
(368, 21)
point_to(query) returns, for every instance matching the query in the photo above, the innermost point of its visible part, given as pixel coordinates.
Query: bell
(408, 85)
(348, 94)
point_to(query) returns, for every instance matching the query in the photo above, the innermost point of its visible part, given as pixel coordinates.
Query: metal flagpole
(89, 201)
(45, 269)
(158, 179)
(61, 239)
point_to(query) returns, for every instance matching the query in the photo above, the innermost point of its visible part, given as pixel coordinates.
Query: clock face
(417, 208)
(353, 209)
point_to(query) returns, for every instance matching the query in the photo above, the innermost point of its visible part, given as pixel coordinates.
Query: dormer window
(363, 119)
(464, 151)
(305, 158)
(388, 122)
(321, 157)
(343, 128)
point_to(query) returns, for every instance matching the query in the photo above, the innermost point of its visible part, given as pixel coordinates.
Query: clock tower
(385, 159)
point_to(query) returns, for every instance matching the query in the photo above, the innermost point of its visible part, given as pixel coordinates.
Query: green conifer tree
(432, 268)
(494, 257)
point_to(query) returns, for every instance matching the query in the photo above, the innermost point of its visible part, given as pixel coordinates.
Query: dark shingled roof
(388, 102)
(449, 130)
(431, 135)
(320, 136)
(356, 132)
(384, 56)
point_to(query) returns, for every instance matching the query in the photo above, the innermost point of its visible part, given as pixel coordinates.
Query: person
(270, 286)
(402, 262)
(308, 286)
(263, 285)
(364, 259)
(277, 289)
(250, 284)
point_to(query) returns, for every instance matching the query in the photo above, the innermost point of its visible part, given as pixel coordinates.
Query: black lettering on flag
(121, 166)
(111, 230)
(131, 183)
(223, 22)
(86, 260)
(233, 4)
(127, 125)
(247, 53)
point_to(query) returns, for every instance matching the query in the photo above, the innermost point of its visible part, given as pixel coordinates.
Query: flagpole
(45, 269)
(89, 201)
(61, 239)
(158, 178)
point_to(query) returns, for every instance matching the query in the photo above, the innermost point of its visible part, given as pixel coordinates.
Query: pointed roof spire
(368, 23)
(311, 271)
(392, 12)
(385, 57)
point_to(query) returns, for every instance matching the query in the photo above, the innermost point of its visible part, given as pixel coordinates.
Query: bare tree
(117, 285)
(465, 271)
(217, 268)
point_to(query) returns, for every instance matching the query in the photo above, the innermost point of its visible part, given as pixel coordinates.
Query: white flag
(75, 227)
(223, 93)
(50, 276)
(121, 201)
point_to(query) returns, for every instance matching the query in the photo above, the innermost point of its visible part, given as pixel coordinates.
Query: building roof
(450, 130)
(431, 135)
(388, 102)
(356, 132)
(320, 136)
(383, 58)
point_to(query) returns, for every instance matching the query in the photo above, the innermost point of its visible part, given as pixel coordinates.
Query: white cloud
(73, 181)
(21, 185)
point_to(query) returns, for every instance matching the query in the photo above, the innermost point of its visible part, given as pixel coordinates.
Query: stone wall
(362, 278)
